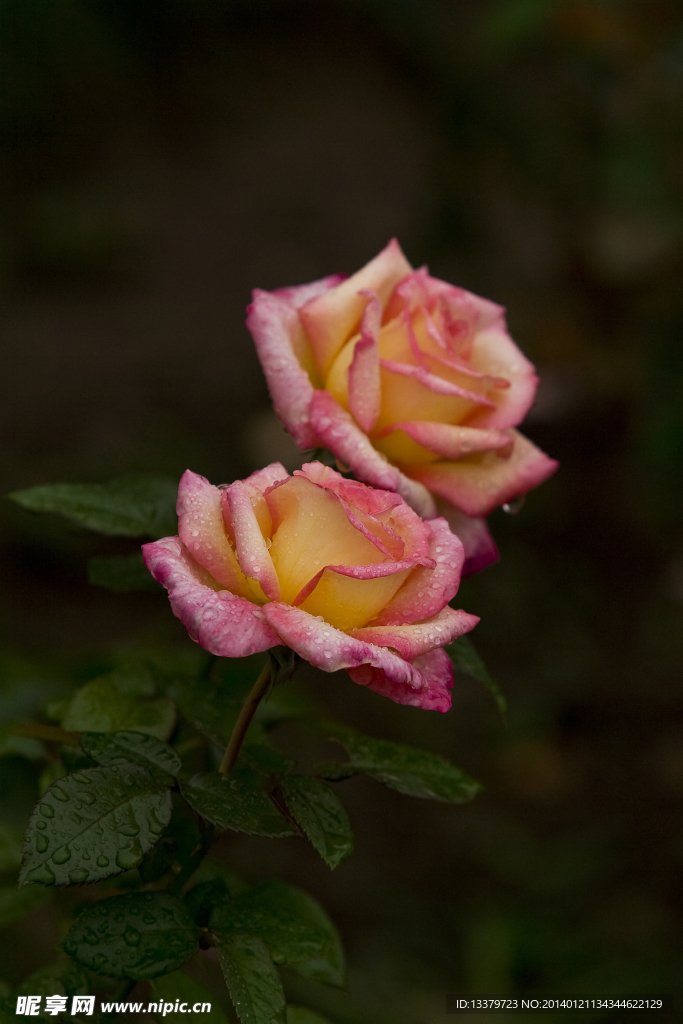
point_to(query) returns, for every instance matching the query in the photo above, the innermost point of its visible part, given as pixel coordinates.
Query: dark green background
(160, 159)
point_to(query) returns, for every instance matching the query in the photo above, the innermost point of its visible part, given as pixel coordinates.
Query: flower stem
(258, 691)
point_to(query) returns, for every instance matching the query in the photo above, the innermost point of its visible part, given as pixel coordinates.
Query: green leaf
(293, 926)
(322, 816)
(254, 984)
(16, 903)
(465, 658)
(130, 506)
(139, 935)
(124, 747)
(121, 573)
(93, 824)
(119, 701)
(406, 769)
(302, 1015)
(237, 802)
(179, 985)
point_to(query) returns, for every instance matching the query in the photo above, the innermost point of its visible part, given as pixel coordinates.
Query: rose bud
(413, 384)
(345, 575)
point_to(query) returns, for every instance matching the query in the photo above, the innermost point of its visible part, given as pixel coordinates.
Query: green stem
(258, 691)
(191, 865)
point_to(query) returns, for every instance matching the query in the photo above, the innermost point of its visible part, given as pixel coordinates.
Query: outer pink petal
(436, 671)
(495, 353)
(330, 649)
(420, 637)
(341, 435)
(365, 391)
(253, 555)
(479, 545)
(478, 487)
(221, 622)
(202, 531)
(273, 320)
(452, 442)
(264, 478)
(427, 591)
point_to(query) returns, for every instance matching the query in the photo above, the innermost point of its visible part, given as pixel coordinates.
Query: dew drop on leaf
(59, 794)
(42, 843)
(62, 855)
(132, 937)
(129, 858)
(41, 824)
(102, 861)
(41, 874)
(78, 876)
(47, 810)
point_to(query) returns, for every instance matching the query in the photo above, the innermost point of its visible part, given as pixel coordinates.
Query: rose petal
(427, 591)
(436, 671)
(364, 389)
(340, 434)
(264, 478)
(273, 320)
(452, 442)
(331, 319)
(479, 484)
(495, 353)
(479, 545)
(224, 624)
(252, 552)
(418, 638)
(201, 529)
(330, 649)
(437, 385)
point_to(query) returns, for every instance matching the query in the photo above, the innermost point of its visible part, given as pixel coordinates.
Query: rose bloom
(412, 383)
(345, 575)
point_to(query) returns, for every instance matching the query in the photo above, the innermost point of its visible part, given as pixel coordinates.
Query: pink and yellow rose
(412, 383)
(347, 576)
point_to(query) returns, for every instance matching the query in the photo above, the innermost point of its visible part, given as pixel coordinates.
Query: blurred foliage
(161, 159)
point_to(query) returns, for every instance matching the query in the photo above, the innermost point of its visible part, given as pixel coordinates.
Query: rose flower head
(345, 575)
(412, 383)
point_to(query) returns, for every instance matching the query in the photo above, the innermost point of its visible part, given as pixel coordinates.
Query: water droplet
(41, 824)
(86, 855)
(78, 876)
(88, 798)
(154, 824)
(62, 855)
(59, 794)
(41, 874)
(42, 843)
(513, 507)
(127, 859)
(132, 937)
(102, 861)
(195, 533)
(90, 937)
(99, 960)
(47, 810)
(129, 828)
